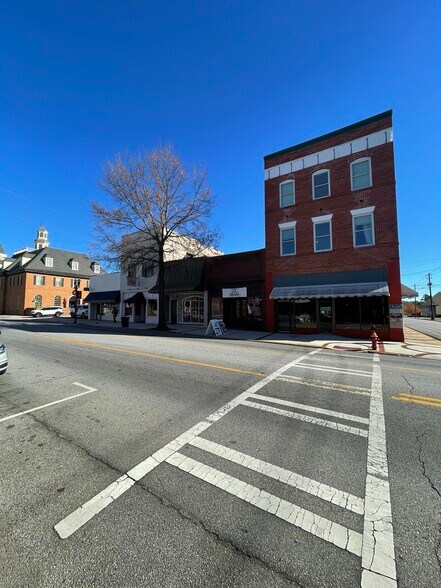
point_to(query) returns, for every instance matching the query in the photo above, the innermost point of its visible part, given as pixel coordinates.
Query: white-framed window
(321, 186)
(58, 282)
(73, 280)
(363, 229)
(74, 265)
(361, 173)
(288, 238)
(148, 269)
(322, 233)
(38, 301)
(39, 280)
(57, 300)
(193, 309)
(48, 261)
(287, 193)
(96, 268)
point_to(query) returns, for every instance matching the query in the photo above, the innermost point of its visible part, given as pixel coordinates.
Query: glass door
(325, 315)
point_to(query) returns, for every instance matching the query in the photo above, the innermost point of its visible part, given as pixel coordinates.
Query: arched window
(38, 301)
(193, 309)
(57, 300)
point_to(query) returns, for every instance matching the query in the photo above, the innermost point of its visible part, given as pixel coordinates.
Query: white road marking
(308, 419)
(88, 391)
(378, 554)
(326, 385)
(323, 491)
(336, 370)
(317, 410)
(291, 513)
(353, 356)
(84, 513)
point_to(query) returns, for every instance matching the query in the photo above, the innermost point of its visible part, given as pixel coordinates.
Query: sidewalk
(415, 344)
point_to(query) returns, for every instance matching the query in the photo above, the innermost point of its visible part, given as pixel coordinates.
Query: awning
(110, 296)
(138, 297)
(182, 276)
(407, 292)
(330, 291)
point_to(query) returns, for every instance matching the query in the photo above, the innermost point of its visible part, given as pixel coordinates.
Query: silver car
(3, 358)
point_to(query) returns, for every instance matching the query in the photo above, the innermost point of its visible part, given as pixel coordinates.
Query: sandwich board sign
(216, 327)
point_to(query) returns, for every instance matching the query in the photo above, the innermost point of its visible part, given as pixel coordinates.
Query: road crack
(435, 489)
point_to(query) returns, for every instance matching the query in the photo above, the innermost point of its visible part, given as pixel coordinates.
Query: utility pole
(76, 284)
(432, 318)
(414, 287)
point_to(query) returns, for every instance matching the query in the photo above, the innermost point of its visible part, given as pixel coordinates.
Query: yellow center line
(411, 401)
(428, 398)
(143, 354)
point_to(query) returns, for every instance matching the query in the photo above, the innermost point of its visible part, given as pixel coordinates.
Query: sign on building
(234, 292)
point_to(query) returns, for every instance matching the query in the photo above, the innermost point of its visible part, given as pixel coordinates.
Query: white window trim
(316, 173)
(370, 172)
(318, 220)
(363, 212)
(293, 193)
(74, 265)
(49, 261)
(282, 227)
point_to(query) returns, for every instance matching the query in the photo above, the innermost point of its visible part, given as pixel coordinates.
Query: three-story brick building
(332, 258)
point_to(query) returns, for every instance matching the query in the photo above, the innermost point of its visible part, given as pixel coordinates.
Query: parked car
(3, 358)
(47, 311)
(82, 311)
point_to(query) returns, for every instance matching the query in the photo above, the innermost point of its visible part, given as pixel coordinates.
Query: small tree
(160, 210)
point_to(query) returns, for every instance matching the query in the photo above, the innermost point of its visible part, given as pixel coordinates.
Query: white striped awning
(330, 291)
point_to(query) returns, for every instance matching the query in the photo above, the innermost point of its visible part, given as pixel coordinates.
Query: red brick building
(332, 259)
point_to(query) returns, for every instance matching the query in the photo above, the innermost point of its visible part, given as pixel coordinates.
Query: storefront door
(325, 315)
(174, 312)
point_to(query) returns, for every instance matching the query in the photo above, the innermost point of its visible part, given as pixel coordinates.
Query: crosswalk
(281, 395)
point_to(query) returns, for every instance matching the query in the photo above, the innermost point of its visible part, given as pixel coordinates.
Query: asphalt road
(426, 326)
(170, 461)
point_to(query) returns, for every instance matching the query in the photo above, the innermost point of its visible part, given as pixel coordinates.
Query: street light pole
(432, 318)
(76, 284)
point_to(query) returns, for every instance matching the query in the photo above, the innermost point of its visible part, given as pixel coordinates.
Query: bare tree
(160, 210)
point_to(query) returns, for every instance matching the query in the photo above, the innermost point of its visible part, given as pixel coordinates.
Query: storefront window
(347, 313)
(285, 312)
(193, 309)
(305, 313)
(152, 307)
(254, 308)
(217, 308)
(373, 312)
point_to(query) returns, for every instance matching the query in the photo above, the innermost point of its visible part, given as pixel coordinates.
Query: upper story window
(322, 233)
(39, 280)
(131, 271)
(148, 270)
(363, 226)
(58, 282)
(73, 280)
(48, 261)
(287, 193)
(288, 238)
(361, 173)
(74, 265)
(320, 184)
(96, 268)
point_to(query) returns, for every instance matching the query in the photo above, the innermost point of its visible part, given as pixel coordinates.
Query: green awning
(182, 276)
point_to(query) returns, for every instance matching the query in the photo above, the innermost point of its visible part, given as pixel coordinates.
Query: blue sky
(225, 83)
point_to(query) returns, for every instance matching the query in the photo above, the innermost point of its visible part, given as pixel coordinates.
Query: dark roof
(356, 125)
(108, 296)
(1, 249)
(61, 265)
(182, 276)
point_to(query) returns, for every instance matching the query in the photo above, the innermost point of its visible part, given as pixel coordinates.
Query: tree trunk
(162, 311)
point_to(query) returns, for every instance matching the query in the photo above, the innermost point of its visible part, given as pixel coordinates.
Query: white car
(3, 359)
(82, 311)
(47, 311)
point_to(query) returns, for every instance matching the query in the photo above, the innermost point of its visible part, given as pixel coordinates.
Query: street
(166, 461)
(426, 326)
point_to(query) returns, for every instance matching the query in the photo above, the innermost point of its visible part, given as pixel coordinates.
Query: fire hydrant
(374, 339)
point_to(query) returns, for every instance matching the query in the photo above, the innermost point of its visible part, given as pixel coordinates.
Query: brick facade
(343, 257)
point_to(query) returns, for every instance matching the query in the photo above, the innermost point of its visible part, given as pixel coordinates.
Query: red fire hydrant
(374, 339)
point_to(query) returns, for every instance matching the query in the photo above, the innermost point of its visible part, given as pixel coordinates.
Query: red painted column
(269, 304)
(396, 331)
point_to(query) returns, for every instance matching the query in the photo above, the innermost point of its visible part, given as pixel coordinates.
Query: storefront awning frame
(107, 297)
(330, 291)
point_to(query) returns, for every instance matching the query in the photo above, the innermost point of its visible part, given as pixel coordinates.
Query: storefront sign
(395, 311)
(234, 292)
